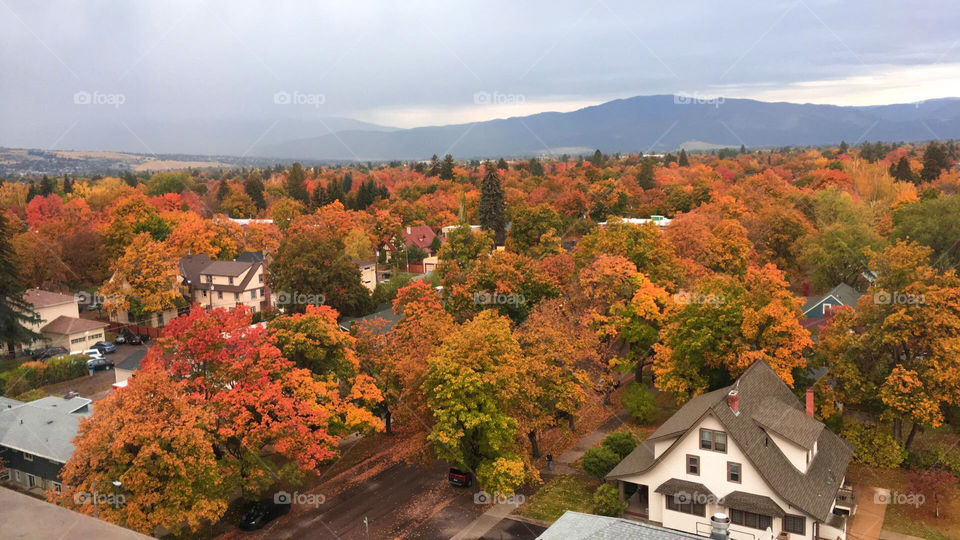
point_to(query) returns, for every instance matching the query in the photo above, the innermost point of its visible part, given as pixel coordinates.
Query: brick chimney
(733, 400)
(810, 401)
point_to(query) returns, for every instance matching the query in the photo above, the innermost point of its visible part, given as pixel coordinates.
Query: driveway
(867, 523)
(100, 384)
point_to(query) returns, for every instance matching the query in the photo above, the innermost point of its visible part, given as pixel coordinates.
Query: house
(35, 439)
(659, 221)
(818, 307)
(386, 313)
(125, 369)
(60, 323)
(579, 526)
(420, 235)
(212, 283)
(368, 273)
(751, 451)
(446, 230)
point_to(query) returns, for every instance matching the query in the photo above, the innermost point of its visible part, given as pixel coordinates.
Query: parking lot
(98, 385)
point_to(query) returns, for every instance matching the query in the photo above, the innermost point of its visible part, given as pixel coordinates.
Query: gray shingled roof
(579, 526)
(749, 502)
(38, 430)
(760, 388)
(789, 423)
(842, 293)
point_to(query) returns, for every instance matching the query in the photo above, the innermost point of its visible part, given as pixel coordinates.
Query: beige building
(368, 273)
(60, 323)
(227, 284)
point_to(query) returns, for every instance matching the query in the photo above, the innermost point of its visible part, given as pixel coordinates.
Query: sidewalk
(867, 523)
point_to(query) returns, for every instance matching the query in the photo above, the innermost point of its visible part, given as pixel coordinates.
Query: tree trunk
(898, 429)
(535, 448)
(387, 417)
(913, 433)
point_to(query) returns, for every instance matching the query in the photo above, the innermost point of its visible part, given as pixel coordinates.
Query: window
(749, 519)
(209, 279)
(236, 296)
(77, 340)
(27, 457)
(693, 464)
(692, 508)
(794, 524)
(733, 472)
(16, 474)
(253, 294)
(261, 278)
(219, 295)
(160, 319)
(204, 294)
(713, 440)
(57, 487)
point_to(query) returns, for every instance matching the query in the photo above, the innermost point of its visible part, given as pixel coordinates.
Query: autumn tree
(715, 332)
(650, 251)
(160, 445)
(508, 282)
(144, 280)
(934, 223)
(474, 389)
(897, 352)
(529, 225)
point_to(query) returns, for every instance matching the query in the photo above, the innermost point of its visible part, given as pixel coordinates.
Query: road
(393, 503)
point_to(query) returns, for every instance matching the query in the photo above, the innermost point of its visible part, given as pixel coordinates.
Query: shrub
(599, 461)
(606, 501)
(874, 447)
(30, 375)
(639, 402)
(31, 395)
(620, 443)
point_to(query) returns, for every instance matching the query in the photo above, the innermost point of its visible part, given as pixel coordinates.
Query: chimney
(810, 401)
(733, 400)
(719, 526)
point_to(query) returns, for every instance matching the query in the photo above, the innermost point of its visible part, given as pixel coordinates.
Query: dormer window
(713, 440)
(230, 280)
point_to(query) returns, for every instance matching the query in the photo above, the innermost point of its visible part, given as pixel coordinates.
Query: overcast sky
(426, 63)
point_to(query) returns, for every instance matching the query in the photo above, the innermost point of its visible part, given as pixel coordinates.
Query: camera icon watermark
(696, 98)
(687, 297)
(497, 98)
(84, 97)
(115, 500)
(482, 497)
(684, 497)
(306, 499)
(297, 97)
(285, 298)
(892, 497)
(486, 298)
(897, 298)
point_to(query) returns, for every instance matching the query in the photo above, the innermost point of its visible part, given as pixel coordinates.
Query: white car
(93, 354)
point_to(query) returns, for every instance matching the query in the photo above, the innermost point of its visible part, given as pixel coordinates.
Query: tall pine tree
(684, 161)
(491, 210)
(446, 168)
(253, 187)
(295, 184)
(15, 312)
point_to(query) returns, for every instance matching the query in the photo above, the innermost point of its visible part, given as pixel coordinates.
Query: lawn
(559, 495)
(907, 519)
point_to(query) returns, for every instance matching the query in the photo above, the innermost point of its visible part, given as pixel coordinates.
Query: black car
(262, 512)
(459, 478)
(134, 339)
(100, 363)
(50, 352)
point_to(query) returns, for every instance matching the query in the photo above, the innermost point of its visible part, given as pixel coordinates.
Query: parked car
(262, 512)
(134, 339)
(120, 339)
(105, 347)
(99, 362)
(459, 478)
(49, 352)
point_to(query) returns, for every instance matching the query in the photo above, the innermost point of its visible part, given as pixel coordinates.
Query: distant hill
(644, 123)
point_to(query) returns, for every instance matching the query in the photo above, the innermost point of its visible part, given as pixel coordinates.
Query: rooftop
(71, 325)
(28, 517)
(579, 526)
(44, 427)
(41, 299)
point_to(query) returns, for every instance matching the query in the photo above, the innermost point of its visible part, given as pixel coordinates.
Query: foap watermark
(893, 497)
(486, 298)
(299, 98)
(896, 297)
(497, 98)
(96, 97)
(684, 497)
(687, 297)
(94, 299)
(305, 499)
(85, 497)
(286, 298)
(482, 497)
(696, 98)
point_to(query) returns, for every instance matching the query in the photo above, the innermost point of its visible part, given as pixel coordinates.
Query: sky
(408, 64)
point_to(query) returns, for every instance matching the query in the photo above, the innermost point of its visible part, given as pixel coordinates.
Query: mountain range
(649, 124)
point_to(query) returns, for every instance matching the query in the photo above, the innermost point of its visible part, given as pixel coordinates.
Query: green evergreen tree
(67, 184)
(502, 164)
(901, 171)
(130, 179)
(15, 312)
(935, 161)
(32, 191)
(434, 166)
(253, 187)
(683, 161)
(491, 209)
(347, 182)
(446, 168)
(335, 191)
(319, 197)
(645, 176)
(47, 186)
(844, 147)
(743, 149)
(597, 159)
(536, 168)
(223, 189)
(296, 184)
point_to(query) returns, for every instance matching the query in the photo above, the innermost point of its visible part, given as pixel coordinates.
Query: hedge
(31, 375)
